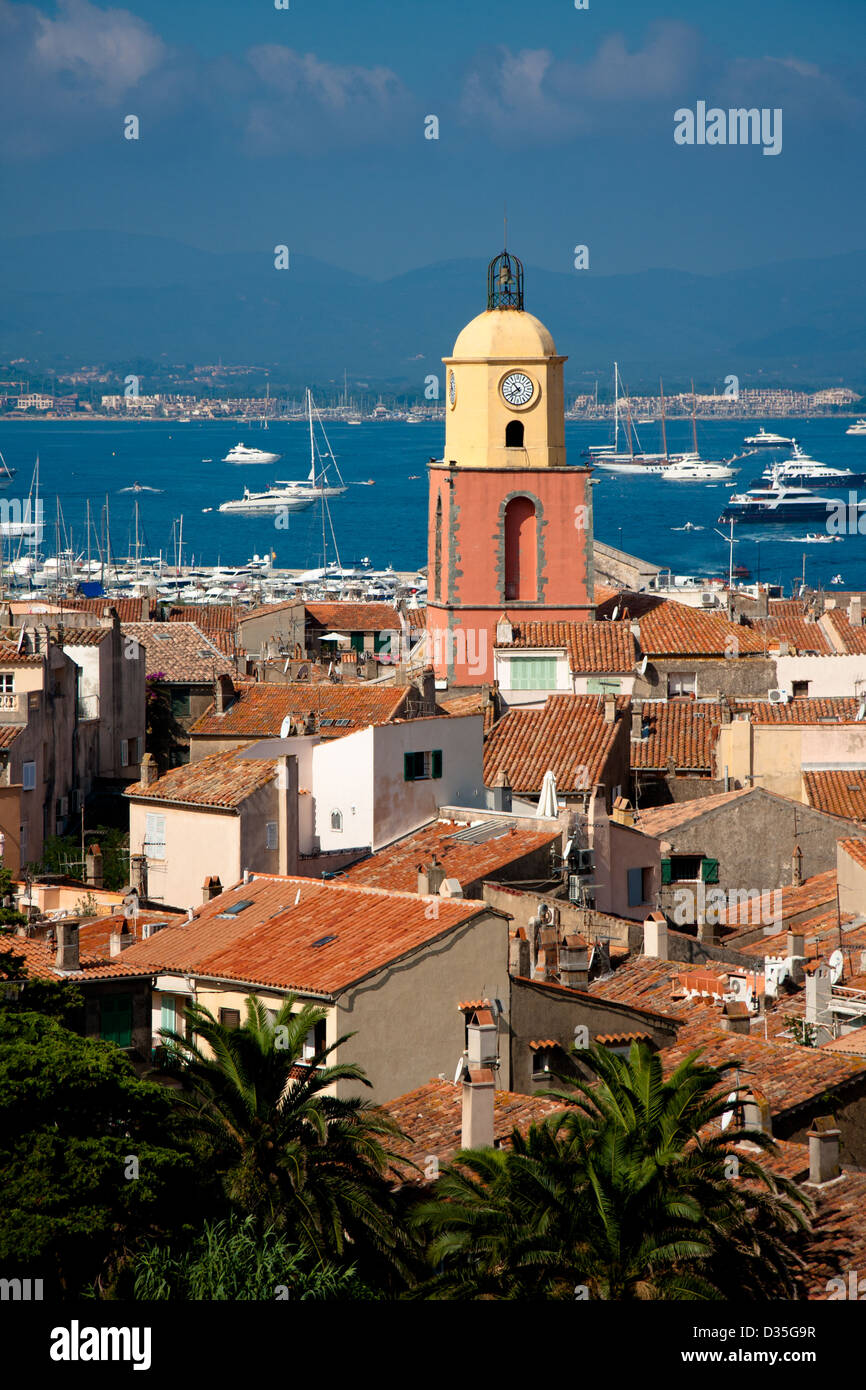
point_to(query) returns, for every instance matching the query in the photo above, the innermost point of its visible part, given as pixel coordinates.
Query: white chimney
(819, 991)
(478, 1095)
(655, 936)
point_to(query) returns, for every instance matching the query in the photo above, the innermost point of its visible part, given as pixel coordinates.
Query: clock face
(517, 388)
(452, 388)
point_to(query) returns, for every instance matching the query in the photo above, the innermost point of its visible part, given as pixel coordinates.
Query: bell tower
(510, 524)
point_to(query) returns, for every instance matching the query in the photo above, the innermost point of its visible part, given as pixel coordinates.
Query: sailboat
(608, 458)
(317, 483)
(691, 468)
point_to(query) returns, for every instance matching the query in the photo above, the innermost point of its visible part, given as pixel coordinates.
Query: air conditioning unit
(583, 861)
(708, 599)
(580, 892)
(778, 697)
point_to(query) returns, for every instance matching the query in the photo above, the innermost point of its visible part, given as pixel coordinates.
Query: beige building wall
(773, 756)
(851, 878)
(198, 842)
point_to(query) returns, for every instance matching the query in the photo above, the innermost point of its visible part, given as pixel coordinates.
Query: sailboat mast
(664, 429)
(312, 441)
(616, 408)
(628, 423)
(694, 420)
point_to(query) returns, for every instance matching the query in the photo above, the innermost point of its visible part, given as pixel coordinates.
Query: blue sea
(387, 522)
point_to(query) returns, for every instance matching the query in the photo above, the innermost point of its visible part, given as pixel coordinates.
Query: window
(416, 767)
(681, 868)
(115, 1019)
(635, 887)
(682, 683)
(336, 820)
(230, 1018)
(314, 1041)
(419, 767)
(167, 1013)
(800, 690)
(7, 682)
(28, 776)
(437, 551)
(531, 672)
(272, 840)
(180, 704)
(235, 908)
(521, 578)
(514, 434)
(154, 835)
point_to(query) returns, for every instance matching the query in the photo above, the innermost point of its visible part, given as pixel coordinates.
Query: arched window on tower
(437, 551)
(521, 569)
(514, 434)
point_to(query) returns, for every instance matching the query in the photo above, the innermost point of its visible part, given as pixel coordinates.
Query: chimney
(93, 866)
(211, 888)
(435, 873)
(855, 611)
(482, 1049)
(224, 693)
(756, 1111)
(504, 631)
(149, 772)
(736, 1017)
(138, 874)
(622, 812)
(119, 940)
(819, 991)
(451, 888)
(67, 957)
(823, 1150)
(518, 955)
(797, 866)
(478, 1094)
(636, 723)
(655, 936)
(725, 706)
(796, 949)
(498, 796)
(610, 709)
(574, 962)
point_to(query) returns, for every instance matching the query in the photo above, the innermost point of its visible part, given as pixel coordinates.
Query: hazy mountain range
(84, 297)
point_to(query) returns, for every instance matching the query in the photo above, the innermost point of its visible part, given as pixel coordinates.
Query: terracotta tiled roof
(39, 962)
(788, 608)
(849, 639)
(681, 730)
(301, 934)
(590, 646)
(810, 895)
(853, 1042)
(397, 866)
(668, 628)
(801, 634)
(839, 792)
(660, 819)
(11, 656)
(210, 617)
(835, 710)
(9, 733)
(855, 849)
(84, 636)
(569, 735)
(129, 610)
(260, 710)
(222, 779)
(821, 937)
(431, 1118)
(181, 652)
(95, 937)
(353, 617)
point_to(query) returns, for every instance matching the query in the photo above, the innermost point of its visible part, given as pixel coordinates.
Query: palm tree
(626, 1193)
(294, 1155)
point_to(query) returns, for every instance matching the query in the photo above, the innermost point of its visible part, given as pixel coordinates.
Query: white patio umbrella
(548, 804)
(334, 637)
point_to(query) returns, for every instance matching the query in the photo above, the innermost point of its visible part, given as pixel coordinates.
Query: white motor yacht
(859, 427)
(272, 502)
(241, 454)
(766, 439)
(696, 470)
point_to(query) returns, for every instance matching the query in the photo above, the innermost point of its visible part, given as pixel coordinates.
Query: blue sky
(306, 127)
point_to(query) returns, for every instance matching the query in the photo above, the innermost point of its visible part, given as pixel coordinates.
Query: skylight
(236, 908)
(323, 940)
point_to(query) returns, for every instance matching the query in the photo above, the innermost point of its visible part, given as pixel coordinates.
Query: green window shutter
(408, 767)
(115, 1019)
(666, 871)
(167, 1019)
(436, 763)
(710, 870)
(358, 642)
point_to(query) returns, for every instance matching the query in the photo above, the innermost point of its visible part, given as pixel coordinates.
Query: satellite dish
(642, 665)
(286, 727)
(837, 963)
(729, 1114)
(615, 614)
(286, 664)
(458, 1075)
(569, 846)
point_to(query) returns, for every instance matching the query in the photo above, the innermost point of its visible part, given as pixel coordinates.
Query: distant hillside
(101, 296)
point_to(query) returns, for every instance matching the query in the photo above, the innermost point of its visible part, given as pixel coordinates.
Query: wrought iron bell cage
(505, 282)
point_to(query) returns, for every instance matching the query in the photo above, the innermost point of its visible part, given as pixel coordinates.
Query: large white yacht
(766, 439)
(695, 470)
(241, 454)
(317, 483)
(272, 502)
(859, 427)
(803, 470)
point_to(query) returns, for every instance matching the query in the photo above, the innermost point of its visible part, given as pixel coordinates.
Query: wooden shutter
(436, 763)
(710, 870)
(666, 871)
